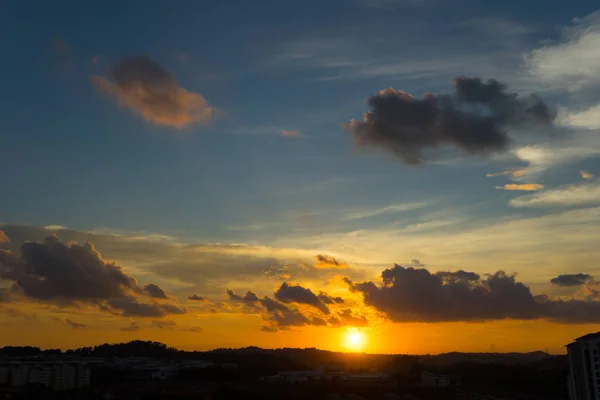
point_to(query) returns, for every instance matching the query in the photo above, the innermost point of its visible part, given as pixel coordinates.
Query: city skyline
(382, 176)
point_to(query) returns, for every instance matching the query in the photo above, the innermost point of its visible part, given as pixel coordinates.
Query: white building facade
(584, 368)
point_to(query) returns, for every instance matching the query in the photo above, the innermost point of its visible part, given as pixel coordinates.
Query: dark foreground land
(150, 370)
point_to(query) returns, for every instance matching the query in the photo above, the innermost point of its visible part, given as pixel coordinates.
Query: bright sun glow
(354, 340)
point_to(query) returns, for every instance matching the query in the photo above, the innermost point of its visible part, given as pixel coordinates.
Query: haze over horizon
(386, 176)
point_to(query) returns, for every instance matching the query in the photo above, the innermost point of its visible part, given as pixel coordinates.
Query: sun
(354, 339)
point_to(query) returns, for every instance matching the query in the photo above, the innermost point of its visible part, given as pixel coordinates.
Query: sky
(281, 174)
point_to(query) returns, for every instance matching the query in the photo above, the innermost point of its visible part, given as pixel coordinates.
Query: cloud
(569, 195)
(459, 275)
(290, 133)
(346, 317)
(408, 127)
(249, 297)
(196, 329)
(155, 291)
(3, 237)
(527, 187)
(298, 294)
(69, 322)
(416, 295)
(393, 208)
(325, 261)
(511, 172)
(327, 299)
(130, 306)
(586, 175)
(67, 274)
(144, 86)
(195, 297)
(52, 270)
(552, 64)
(164, 324)
(570, 279)
(133, 327)
(14, 313)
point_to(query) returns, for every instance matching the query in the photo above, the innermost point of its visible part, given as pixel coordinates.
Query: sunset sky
(281, 173)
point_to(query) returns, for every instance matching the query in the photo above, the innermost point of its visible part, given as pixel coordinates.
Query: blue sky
(83, 162)
(75, 155)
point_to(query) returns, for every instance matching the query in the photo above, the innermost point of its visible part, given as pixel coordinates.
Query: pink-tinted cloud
(287, 133)
(146, 88)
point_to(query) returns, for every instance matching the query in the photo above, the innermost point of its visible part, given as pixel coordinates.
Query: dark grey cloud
(474, 119)
(457, 275)
(325, 261)
(51, 270)
(327, 299)
(196, 297)
(347, 317)
(155, 291)
(130, 306)
(69, 322)
(298, 294)
(570, 279)
(144, 86)
(69, 273)
(250, 297)
(409, 294)
(272, 305)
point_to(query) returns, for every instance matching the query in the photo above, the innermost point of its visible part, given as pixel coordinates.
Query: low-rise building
(434, 380)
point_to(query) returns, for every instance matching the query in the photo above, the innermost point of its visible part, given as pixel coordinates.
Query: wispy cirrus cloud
(527, 187)
(569, 195)
(511, 172)
(551, 64)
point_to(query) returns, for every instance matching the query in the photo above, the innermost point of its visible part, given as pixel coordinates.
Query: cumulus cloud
(570, 279)
(514, 173)
(327, 299)
(3, 237)
(155, 291)
(52, 270)
(586, 175)
(130, 306)
(416, 295)
(347, 317)
(526, 187)
(196, 297)
(460, 275)
(569, 195)
(249, 297)
(298, 294)
(144, 86)
(325, 261)
(70, 273)
(474, 119)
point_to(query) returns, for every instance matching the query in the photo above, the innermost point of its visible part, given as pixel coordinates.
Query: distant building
(56, 375)
(41, 375)
(4, 374)
(434, 380)
(584, 368)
